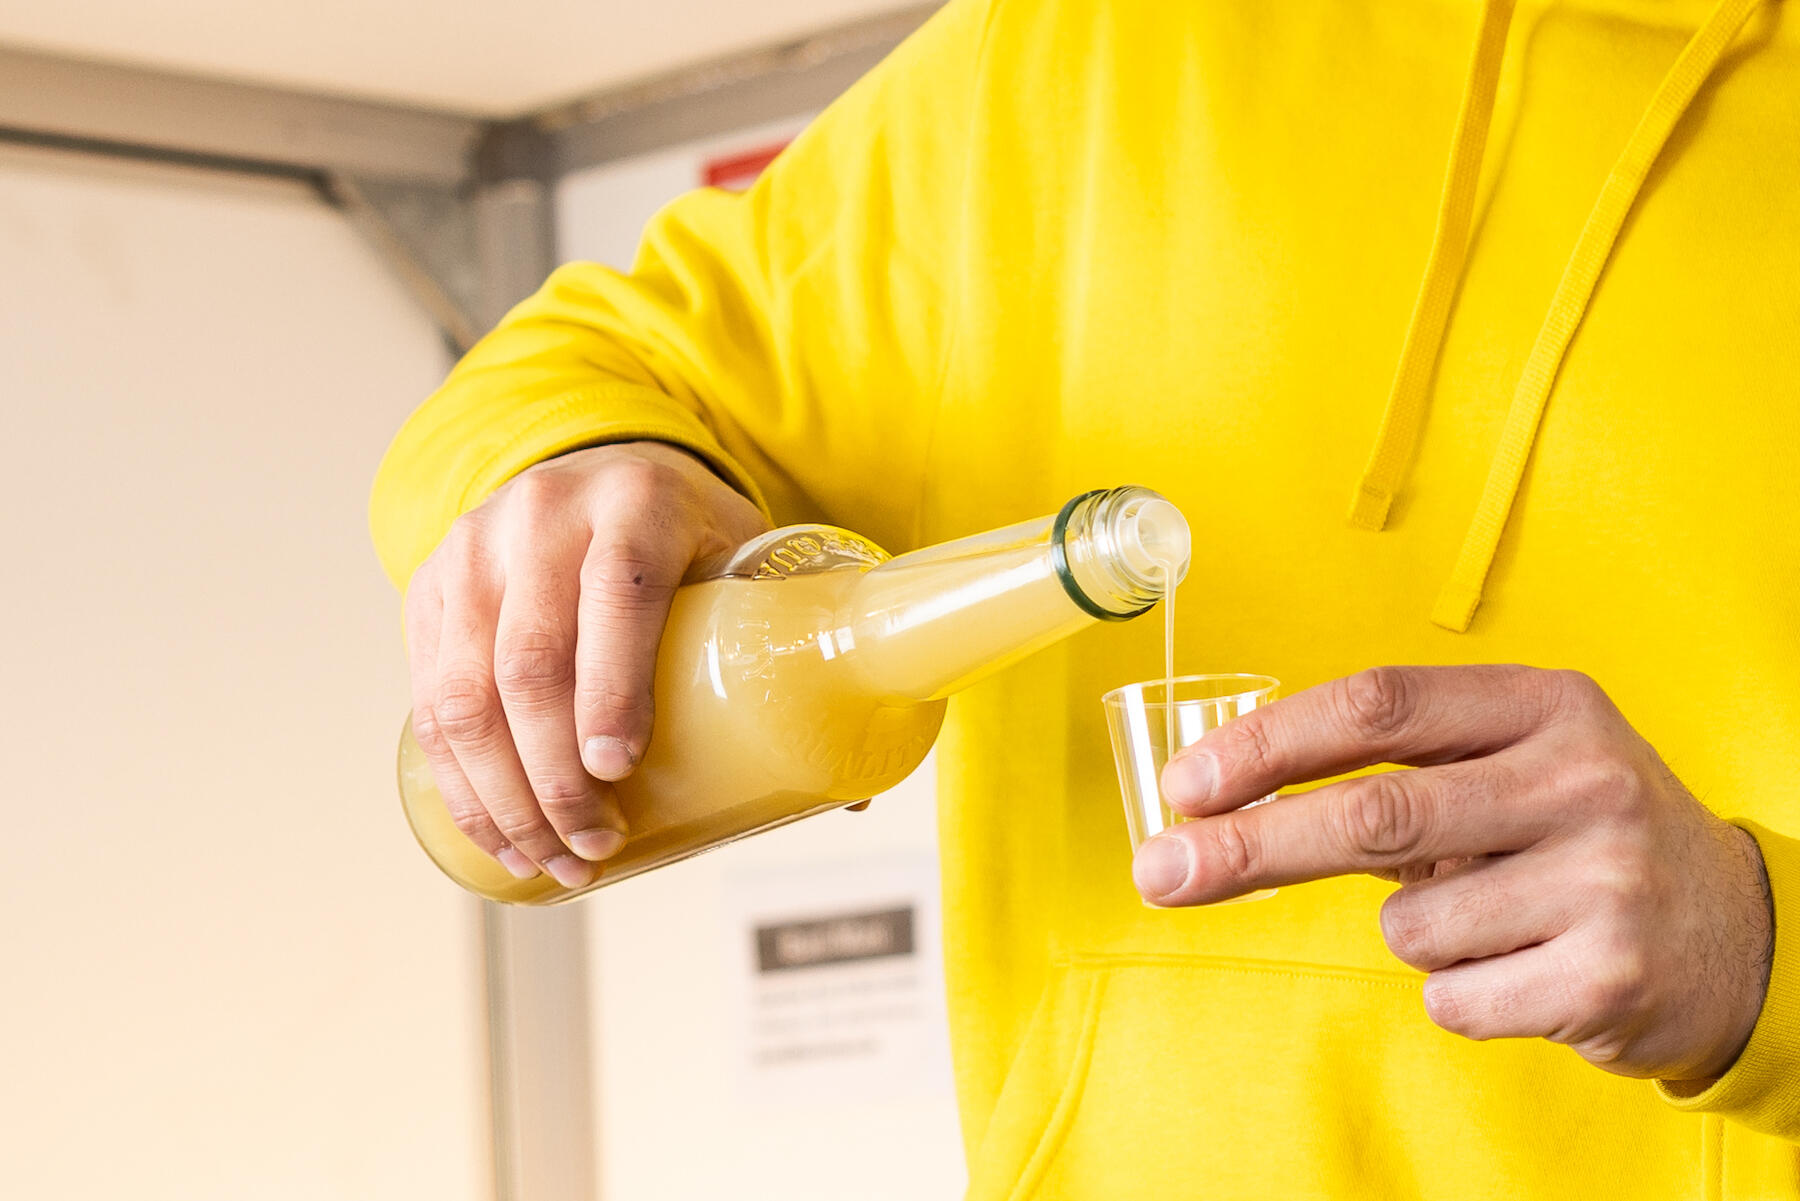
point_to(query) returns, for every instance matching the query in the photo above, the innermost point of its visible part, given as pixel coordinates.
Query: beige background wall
(227, 973)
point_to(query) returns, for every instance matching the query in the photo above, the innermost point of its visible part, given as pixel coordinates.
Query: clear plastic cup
(1150, 720)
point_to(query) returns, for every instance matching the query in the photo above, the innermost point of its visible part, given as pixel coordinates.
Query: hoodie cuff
(1762, 1089)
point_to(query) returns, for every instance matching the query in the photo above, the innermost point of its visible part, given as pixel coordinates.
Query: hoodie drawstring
(1405, 411)
(1460, 597)
(1457, 602)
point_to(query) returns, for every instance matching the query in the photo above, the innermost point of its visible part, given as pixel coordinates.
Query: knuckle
(1235, 850)
(534, 664)
(527, 830)
(641, 483)
(427, 732)
(1575, 691)
(467, 708)
(1379, 700)
(1605, 784)
(1409, 932)
(1605, 995)
(1451, 1009)
(629, 575)
(1380, 819)
(462, 561)
(560, 796)
(1631, 977)
(1488, 781)
(473, 821)
(1602, 990)
(609, 695)
(466, 534)
(536, 491)
(425, 574)
(1619, 885)
(1247, 744)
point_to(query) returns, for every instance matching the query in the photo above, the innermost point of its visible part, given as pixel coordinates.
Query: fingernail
(514, 861)
(1161, 866)
(569, 871)
(596, 845)
(607, 758)
(1191, 779)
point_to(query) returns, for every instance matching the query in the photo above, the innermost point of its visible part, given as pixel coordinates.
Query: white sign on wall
(839, 980)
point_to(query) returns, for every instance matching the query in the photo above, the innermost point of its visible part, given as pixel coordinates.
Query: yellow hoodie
(1049, 246)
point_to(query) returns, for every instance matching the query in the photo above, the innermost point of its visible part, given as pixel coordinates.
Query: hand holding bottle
(801, 672)
(533, 631)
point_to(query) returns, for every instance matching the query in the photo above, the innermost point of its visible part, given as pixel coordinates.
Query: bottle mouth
(1118, 551)
(1155, 544)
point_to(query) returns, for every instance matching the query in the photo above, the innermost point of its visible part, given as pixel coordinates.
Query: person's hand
(533, 631)
(1558, 880)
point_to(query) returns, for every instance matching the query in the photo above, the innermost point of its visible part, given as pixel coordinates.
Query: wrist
(1759, 934)
(1750, 943)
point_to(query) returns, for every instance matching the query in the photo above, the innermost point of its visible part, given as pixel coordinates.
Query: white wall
(229, 974)
(686, 1111)
(600, 212)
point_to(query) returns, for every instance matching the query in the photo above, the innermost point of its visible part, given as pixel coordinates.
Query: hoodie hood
(1407, 404)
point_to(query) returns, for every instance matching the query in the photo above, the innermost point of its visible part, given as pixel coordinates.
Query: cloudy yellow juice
(813, 674)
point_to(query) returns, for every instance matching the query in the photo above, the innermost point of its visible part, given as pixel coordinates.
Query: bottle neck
(1117, 551)
(932, 622)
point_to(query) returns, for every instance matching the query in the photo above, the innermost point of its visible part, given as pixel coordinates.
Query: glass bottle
(809, 671)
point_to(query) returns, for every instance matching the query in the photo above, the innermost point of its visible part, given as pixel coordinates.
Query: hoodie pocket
(1043, 1089)
(1165, 1077)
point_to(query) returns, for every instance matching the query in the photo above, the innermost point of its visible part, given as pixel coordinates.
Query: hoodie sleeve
(1762, 1089)
(791, 336)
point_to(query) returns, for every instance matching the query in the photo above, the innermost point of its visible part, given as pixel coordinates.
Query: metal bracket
(448, 243)
(425, 233)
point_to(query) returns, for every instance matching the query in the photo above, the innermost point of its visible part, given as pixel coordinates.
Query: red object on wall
(735, 172)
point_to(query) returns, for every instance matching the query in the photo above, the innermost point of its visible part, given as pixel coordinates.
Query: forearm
(548, 380)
